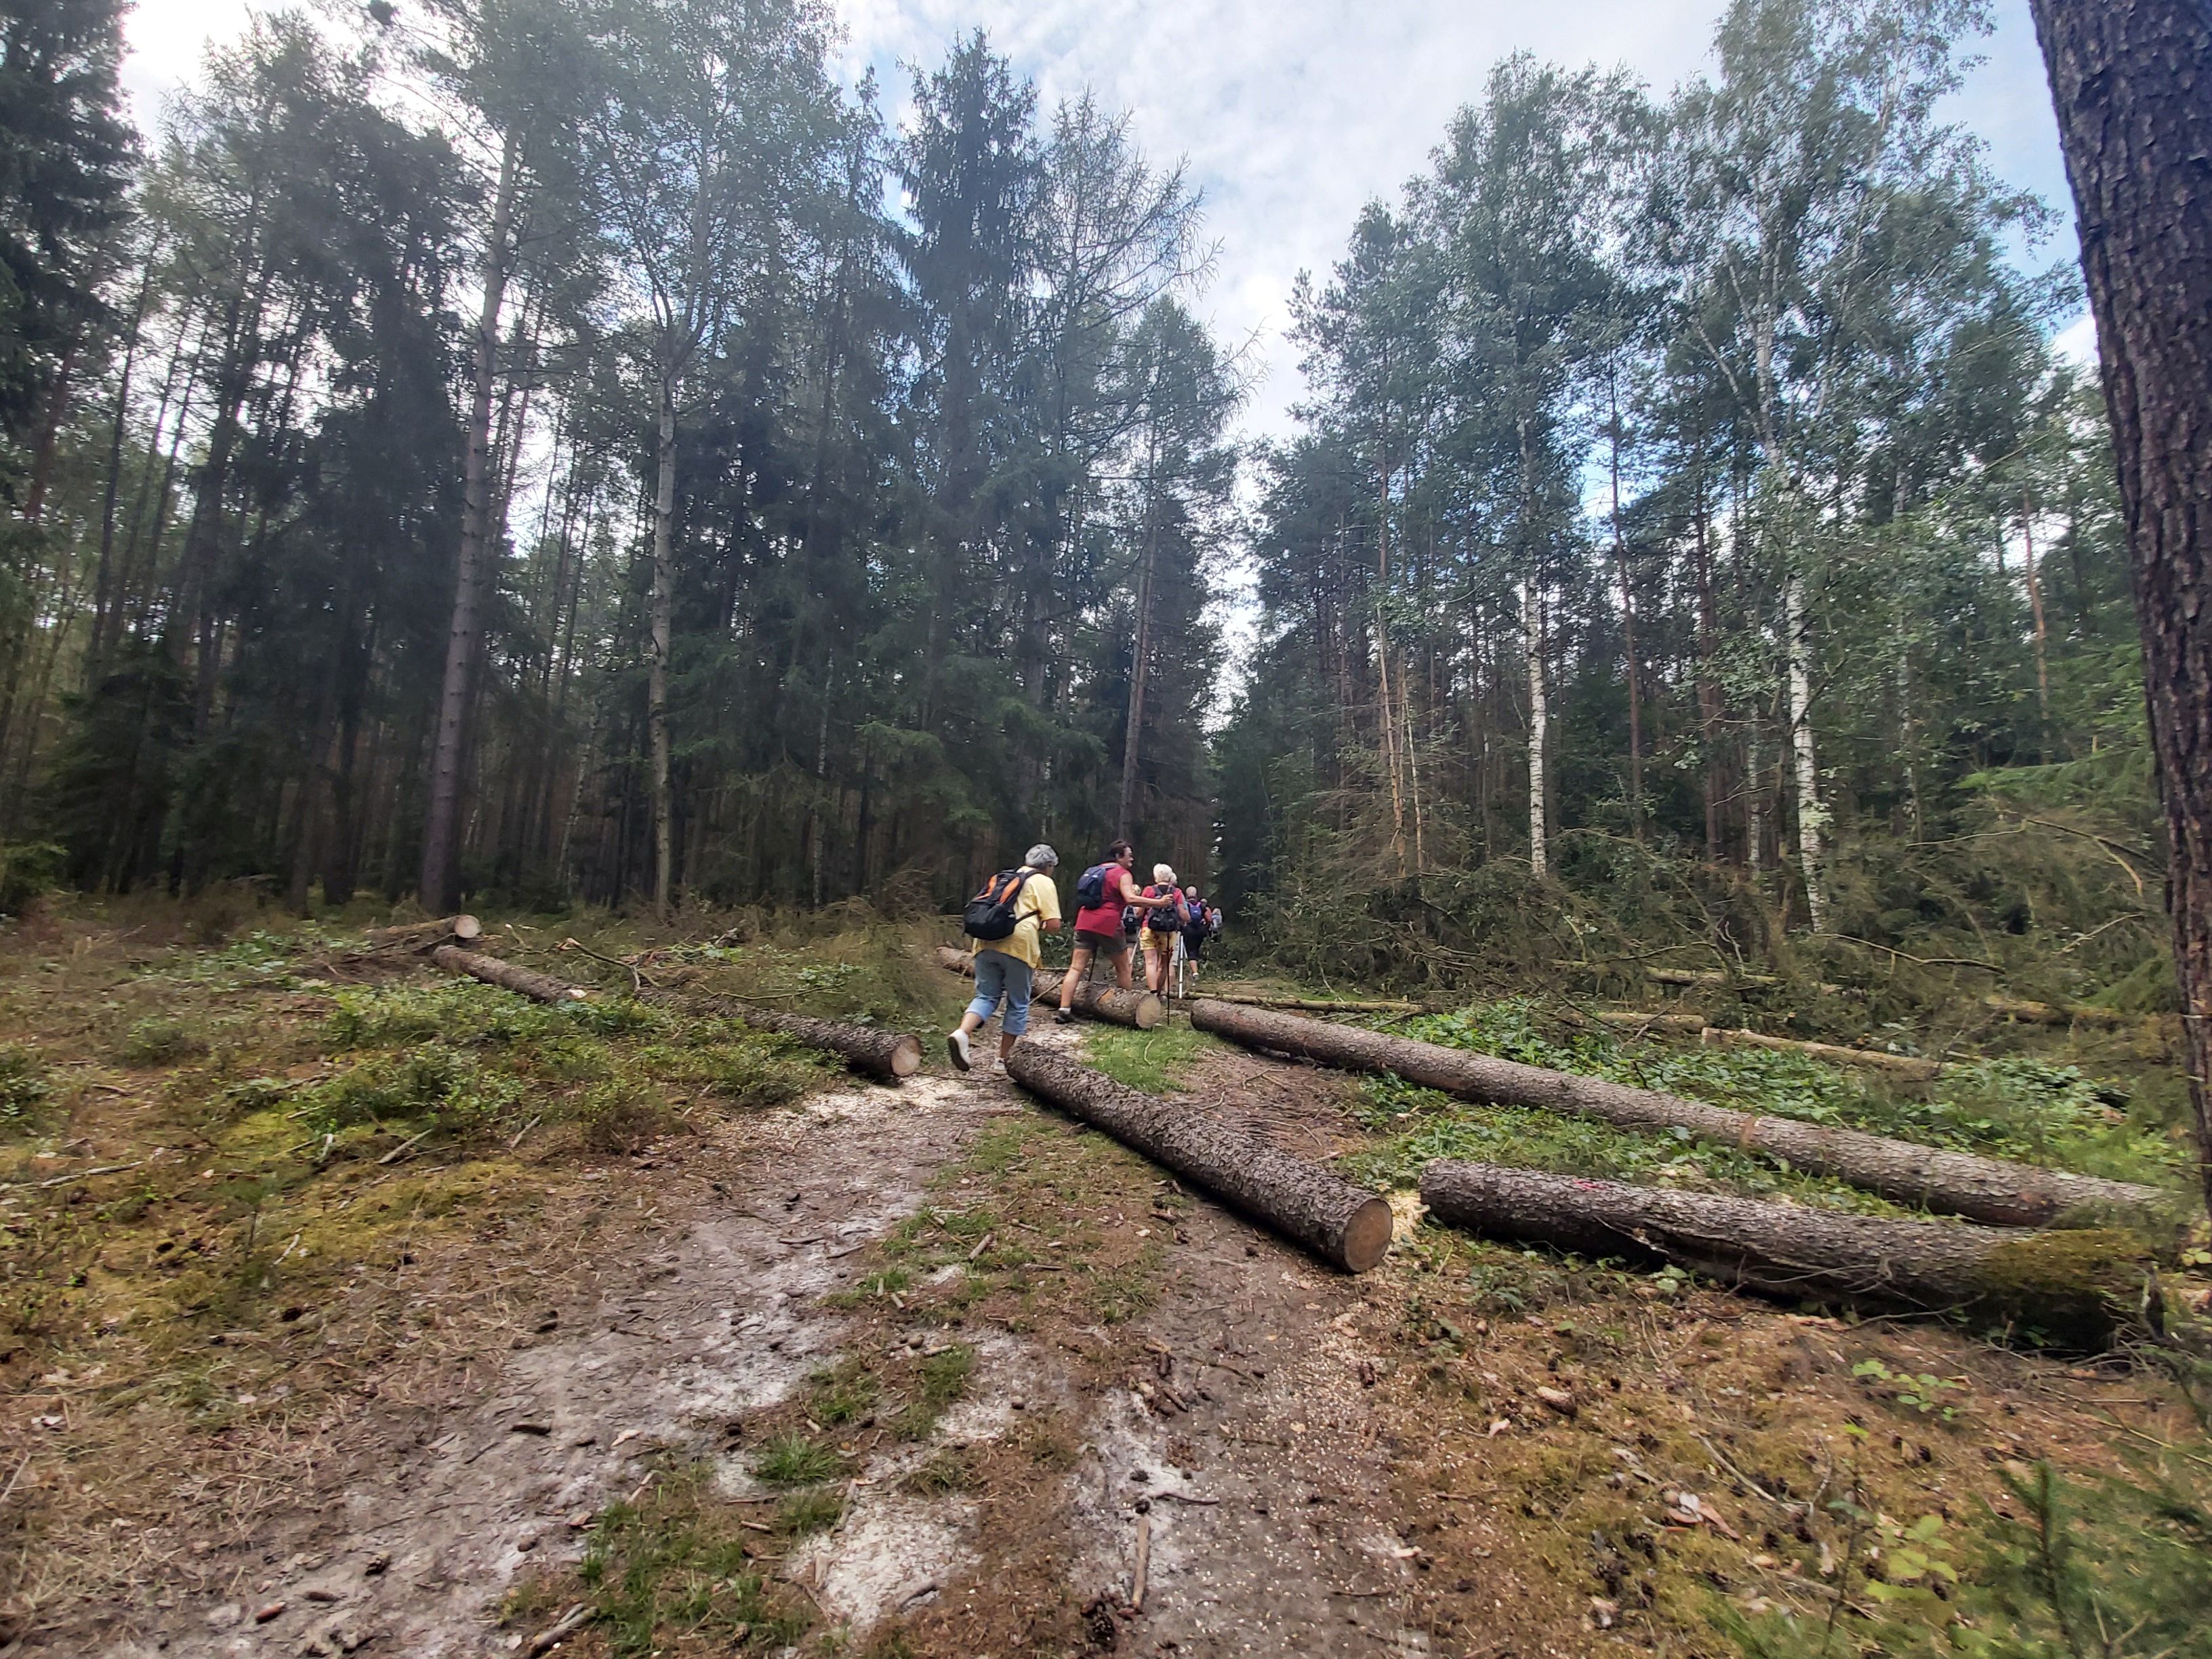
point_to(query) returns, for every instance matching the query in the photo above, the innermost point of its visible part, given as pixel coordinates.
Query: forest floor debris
(635, 1331)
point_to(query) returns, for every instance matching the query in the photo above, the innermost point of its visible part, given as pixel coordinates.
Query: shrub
(160, 1042)
(23, 1086)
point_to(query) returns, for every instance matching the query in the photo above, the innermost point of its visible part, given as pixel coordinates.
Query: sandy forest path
(1235, 1433)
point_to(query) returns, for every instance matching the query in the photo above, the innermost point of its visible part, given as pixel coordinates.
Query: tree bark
(2134, 98)
(1983, 1189)
(1347, 1226)
(1532, 635)
(523, 982)
(1628, 631)
(1140, 1009)
(889, 1055)
(438, 888)
(660, 623)
(2075, 1287)
(1904, 1066)
(1140, 660)
(1812, 817)
(423, 935)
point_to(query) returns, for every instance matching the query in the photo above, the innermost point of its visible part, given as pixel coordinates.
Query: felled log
(1110, 1003)
(2058, 1013)
(1319, 1005)
(1905, 1065)
(2073, 1286)
(421, 935)
(523, 982)
(891, 1055)
(1984, 1188)
(1346, 1225)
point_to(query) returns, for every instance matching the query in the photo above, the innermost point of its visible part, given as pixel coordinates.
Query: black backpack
(1091, 891)
(990, 915)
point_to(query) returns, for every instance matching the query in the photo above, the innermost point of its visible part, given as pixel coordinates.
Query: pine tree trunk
(1141, 661)
(656, 693)
(1347, 1226)
(1100, 1001)
(1709, 691)
(1811, 817)
(1628, 636)
(2134, 98)
(523, 982)
(2042, 634)
(439, 887)
(889, 1055)
(1983, 1189)
(2077, 1287)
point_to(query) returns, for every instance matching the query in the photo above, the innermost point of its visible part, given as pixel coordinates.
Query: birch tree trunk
(1810, 817)
(2134, 98)
(1532, 634)
(439, 887)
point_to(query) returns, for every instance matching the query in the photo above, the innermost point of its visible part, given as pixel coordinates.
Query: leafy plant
(23, 1085)
(1923, 1393)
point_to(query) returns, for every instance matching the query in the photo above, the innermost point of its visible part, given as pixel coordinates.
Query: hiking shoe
(998, 1066)
(955, 1044)
(1063, 1018)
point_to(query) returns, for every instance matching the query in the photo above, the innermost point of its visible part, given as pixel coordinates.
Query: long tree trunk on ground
(660, 621)
(439, 887)
(1347, 1226)
(523, 982)
(889, 1055)
(1983, 1189)
(2134, 97)
(2076, 1286)
(1811, 817)
(1140, 1009)
(1532, 637)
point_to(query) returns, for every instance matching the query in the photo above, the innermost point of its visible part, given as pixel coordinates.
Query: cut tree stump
(1346, 1225)
(421, 935)
(1110, 1003)
(889, 1055)
(2076, 1286)
(1983, 1189)
(523, 982)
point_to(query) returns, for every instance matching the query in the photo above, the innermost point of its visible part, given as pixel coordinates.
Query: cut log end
(1149, 1014)
(465, 927)
(906, 1058)
(1367, 1235)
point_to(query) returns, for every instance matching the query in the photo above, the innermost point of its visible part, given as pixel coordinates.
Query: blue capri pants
(1001, 978)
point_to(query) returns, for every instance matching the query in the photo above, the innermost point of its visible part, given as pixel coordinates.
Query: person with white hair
(1164, 921)
(1005, 924)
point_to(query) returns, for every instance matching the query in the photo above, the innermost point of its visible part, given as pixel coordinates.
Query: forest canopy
(556, 453)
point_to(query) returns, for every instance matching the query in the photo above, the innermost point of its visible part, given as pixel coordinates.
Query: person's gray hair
(1040, 857)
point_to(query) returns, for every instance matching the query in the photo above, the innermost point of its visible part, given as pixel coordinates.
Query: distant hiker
(1106, 901)
(1005, 924)
(1194, 928)
(1168, 913)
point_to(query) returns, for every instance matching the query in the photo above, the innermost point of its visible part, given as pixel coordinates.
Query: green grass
(795, 1460)
(1155, 1061)
(943, 1381)
(815, 1509)
(674, 1565)
(840, 1394)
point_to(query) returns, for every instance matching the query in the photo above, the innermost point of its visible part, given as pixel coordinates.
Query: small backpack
(1163, 919)
(1091, 891)
(990, 915)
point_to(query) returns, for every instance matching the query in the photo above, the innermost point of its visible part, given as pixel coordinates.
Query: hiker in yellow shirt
(1006, 923)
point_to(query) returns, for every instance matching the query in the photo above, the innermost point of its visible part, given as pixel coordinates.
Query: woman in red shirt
(1098, 928)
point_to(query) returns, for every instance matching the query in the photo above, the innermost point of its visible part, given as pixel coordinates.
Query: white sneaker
(998, 1065)
(955, 1044)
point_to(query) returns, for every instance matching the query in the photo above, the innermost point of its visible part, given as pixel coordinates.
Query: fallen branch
(2058, 1013)
(1984, 1188)
(889, 1055)
(2075, 1286)
(1140, 1009)
(80, 1175)
(1346, 1225)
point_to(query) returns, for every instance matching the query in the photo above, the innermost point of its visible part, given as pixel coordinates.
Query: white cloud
(1290, 112)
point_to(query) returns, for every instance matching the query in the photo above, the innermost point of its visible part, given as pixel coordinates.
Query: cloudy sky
(1291, 113)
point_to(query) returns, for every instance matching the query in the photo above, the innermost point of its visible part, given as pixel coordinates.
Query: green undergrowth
(1156, 1061)
(2075, 1568)
(2017, 1107)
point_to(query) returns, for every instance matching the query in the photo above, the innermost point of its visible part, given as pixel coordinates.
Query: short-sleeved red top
(1106, 918)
